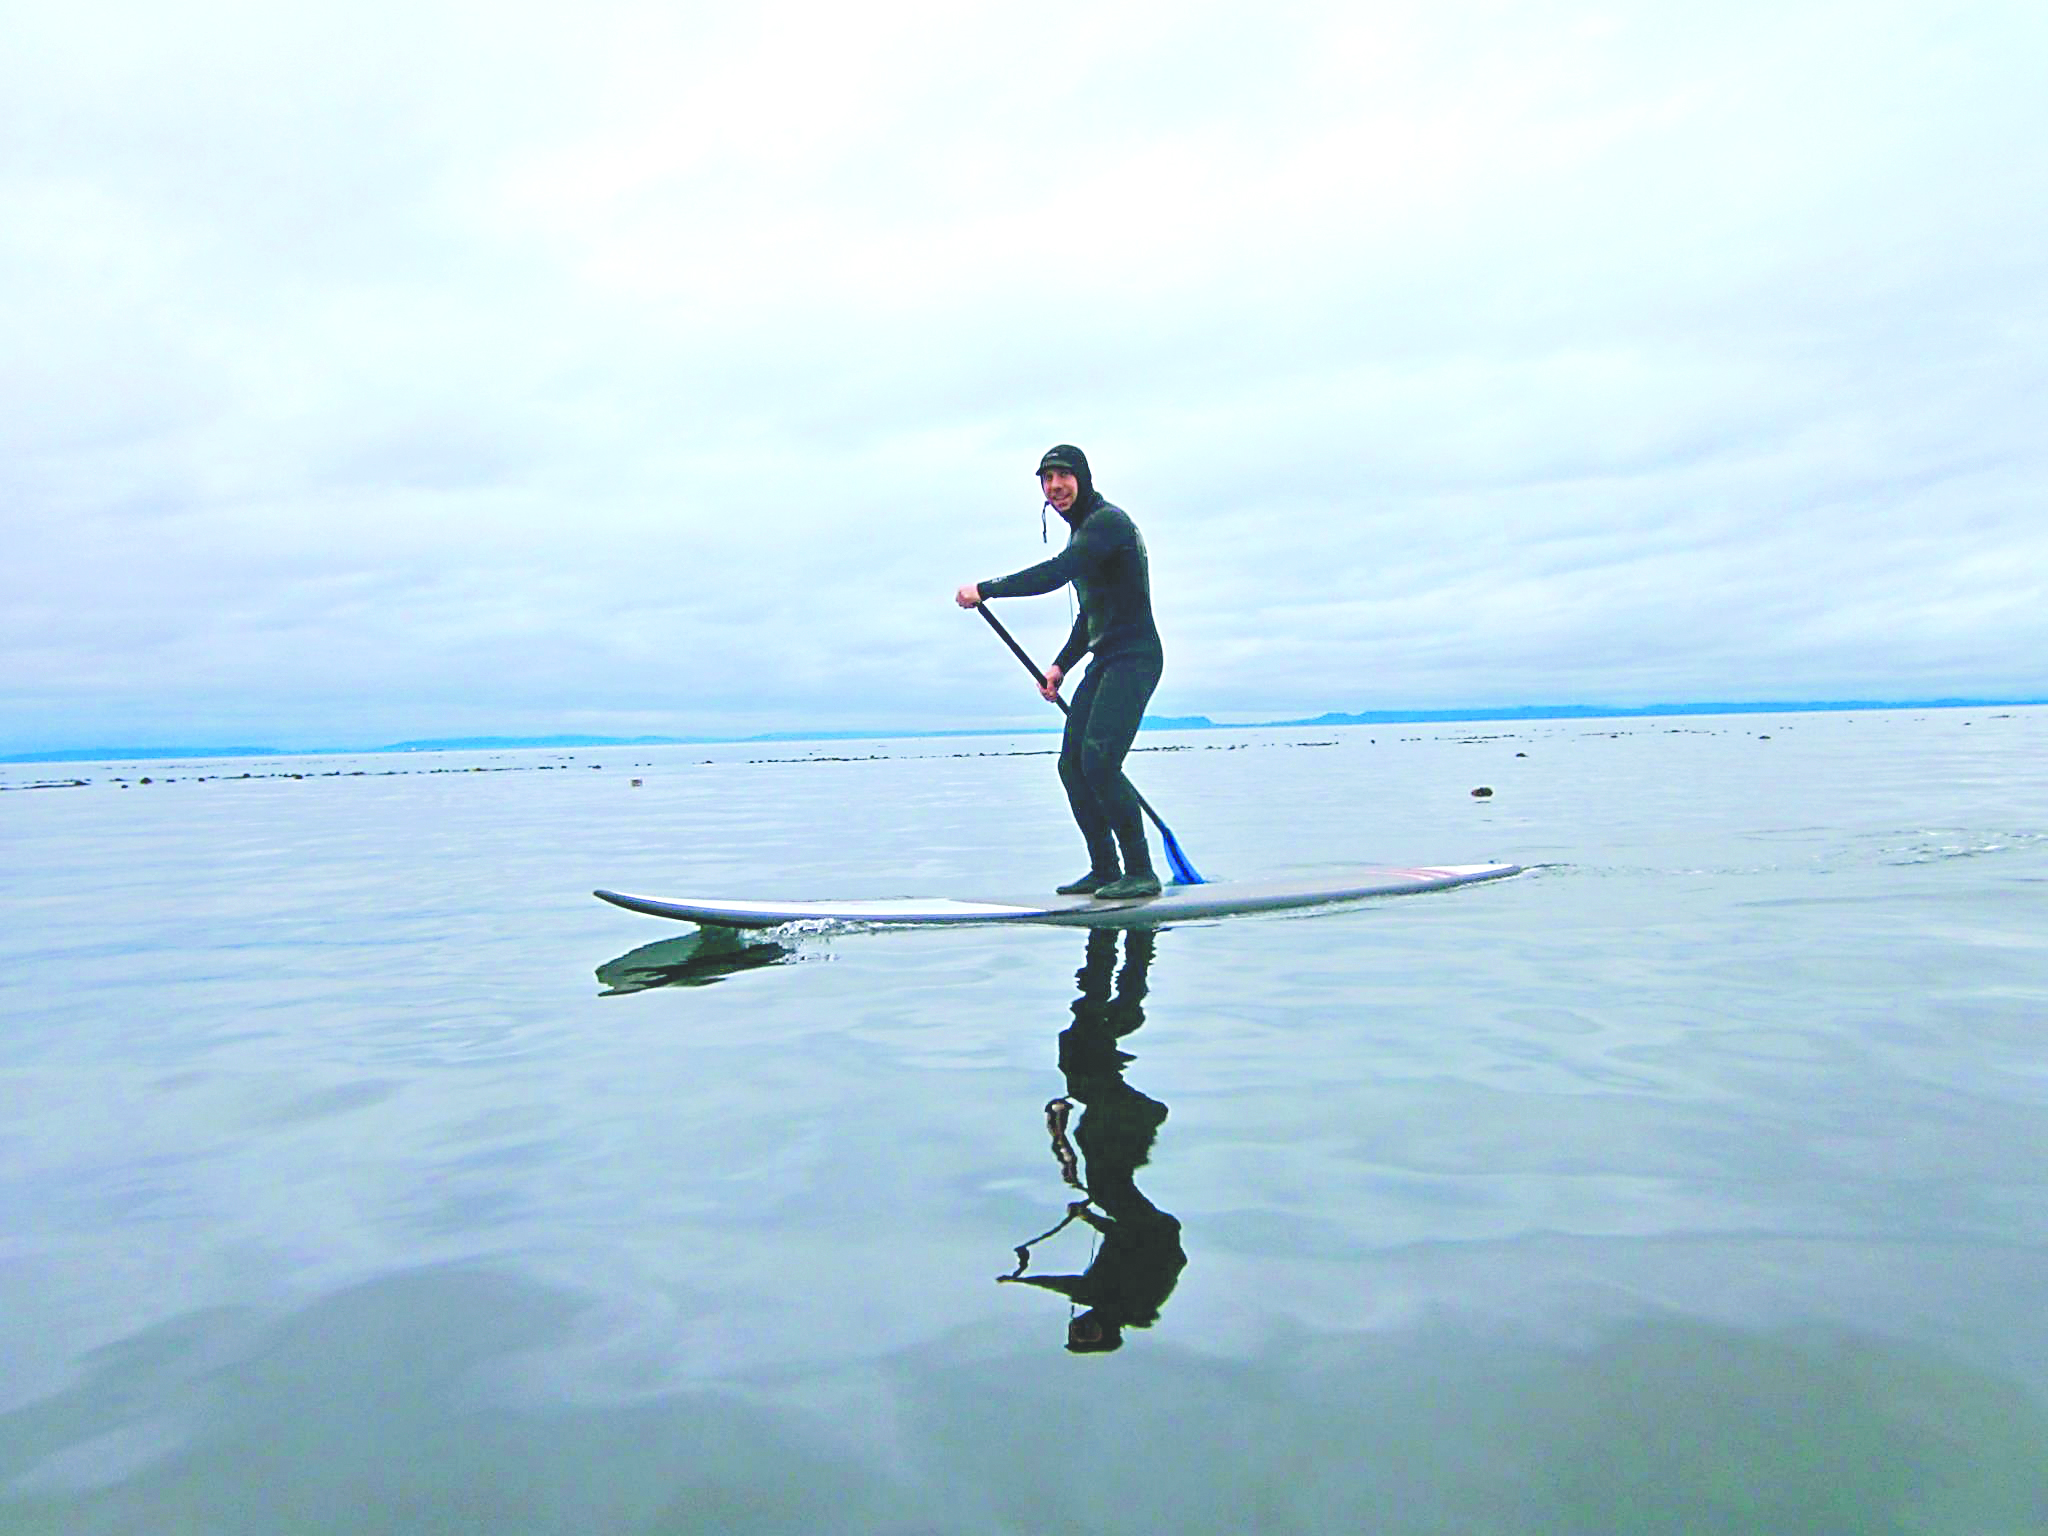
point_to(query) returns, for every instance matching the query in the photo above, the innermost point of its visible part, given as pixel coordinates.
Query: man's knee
(1100, 766)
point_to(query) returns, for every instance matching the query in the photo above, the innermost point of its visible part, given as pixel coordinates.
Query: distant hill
(1641, 711)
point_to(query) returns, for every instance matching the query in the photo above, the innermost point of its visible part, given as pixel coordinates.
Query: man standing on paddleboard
(1105, 561)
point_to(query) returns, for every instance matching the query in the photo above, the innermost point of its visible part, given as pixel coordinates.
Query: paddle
(1183, 871)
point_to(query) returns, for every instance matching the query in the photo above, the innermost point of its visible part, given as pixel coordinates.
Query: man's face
(1060, 488)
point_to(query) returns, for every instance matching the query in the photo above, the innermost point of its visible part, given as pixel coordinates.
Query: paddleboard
(1177, 903)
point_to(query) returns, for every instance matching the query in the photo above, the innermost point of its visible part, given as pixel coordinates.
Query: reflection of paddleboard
(1177, 903)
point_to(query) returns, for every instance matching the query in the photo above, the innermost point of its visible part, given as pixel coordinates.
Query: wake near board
(1177, 903)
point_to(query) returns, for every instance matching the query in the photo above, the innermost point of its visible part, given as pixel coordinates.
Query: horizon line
(1328, 719)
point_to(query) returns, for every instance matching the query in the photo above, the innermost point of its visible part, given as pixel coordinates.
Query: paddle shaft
(1018, 651)
(1183, 871)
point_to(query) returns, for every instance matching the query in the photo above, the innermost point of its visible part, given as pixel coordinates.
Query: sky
(382, 371)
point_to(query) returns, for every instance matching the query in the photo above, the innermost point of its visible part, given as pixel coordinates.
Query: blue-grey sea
(359, 1173)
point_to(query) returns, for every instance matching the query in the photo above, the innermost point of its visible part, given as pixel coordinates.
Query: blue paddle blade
(1183, 871)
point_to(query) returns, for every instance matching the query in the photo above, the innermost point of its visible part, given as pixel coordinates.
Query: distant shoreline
(1507, 714)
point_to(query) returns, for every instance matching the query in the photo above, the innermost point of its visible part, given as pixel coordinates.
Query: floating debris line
(124, 781)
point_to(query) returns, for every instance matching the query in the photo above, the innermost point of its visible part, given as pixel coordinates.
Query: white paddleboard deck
(1177, 903)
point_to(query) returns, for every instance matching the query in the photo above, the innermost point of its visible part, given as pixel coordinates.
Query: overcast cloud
(379, 371)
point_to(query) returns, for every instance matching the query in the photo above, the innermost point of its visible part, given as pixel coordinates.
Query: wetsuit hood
(1066, 456)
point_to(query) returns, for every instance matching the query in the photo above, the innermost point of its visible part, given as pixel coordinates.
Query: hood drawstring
(1045, 537)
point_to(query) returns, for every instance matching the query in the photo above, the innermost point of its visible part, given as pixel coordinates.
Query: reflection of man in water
(1140, 1258)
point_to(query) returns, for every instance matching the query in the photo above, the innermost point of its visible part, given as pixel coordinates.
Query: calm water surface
(359, 1173)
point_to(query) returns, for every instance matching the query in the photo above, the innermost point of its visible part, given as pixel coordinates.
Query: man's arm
(1075, 648)
(1034, 581)
(1093, 542)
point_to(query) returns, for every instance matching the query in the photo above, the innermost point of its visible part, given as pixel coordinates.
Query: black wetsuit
(1105, 561)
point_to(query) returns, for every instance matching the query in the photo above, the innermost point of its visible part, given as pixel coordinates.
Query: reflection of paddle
(1183, 871)
(1074, 1210)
